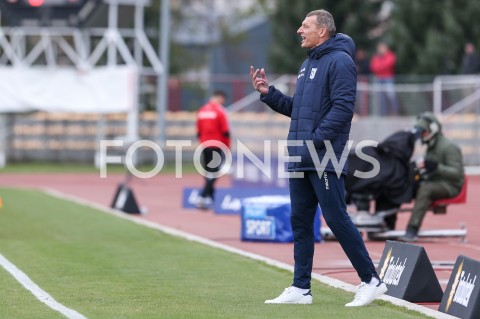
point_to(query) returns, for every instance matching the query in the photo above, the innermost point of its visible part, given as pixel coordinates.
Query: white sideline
(178, 233)
(40, 294)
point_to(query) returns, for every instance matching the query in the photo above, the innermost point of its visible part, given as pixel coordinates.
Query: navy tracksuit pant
(328, 191)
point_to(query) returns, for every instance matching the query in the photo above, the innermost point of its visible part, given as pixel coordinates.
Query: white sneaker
(208, 201)
(204, 202)
(366, 293)
(293, 295)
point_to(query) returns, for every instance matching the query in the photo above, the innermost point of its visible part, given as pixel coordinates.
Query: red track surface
(162, 196)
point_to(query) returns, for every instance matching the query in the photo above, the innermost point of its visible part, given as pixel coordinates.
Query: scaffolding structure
(86, 47)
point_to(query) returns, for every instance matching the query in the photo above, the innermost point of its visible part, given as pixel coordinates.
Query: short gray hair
(324, 19)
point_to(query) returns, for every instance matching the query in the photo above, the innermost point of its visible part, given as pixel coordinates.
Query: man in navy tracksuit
(321, 113)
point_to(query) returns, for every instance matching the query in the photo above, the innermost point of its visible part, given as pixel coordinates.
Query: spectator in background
(382, 66)
(470, 66)
(212, 129)
(362, 63)
(471, 60)
(441, 170)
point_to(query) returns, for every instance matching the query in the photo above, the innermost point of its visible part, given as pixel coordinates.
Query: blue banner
(229, 200)
(267, 218)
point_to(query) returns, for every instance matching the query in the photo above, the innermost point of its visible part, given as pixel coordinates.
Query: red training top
(212, 124)
(383, 66)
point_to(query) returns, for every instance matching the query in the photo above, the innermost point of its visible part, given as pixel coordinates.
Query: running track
(162, 196)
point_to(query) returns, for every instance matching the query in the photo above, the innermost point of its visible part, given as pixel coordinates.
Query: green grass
(106, 267)
(17, 302)
(44, 167)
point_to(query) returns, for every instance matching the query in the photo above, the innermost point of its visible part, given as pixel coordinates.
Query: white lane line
(178, 233)
(41, 295)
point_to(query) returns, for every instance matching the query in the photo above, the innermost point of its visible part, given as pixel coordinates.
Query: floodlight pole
(112, 27)
(162, 82)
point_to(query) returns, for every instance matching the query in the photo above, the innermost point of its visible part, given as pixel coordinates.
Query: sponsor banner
(229, 200)
(267, 218)
(262, 229)
(408, 273)
(462, 296)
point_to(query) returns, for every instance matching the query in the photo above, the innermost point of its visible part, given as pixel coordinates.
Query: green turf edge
(136, 272)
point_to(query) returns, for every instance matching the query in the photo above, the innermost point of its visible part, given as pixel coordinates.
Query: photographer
(441, 170)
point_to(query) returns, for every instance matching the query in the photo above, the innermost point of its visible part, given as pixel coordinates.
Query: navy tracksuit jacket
(321, 110)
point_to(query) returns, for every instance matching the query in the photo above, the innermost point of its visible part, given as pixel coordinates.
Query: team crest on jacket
(301, 73)
(312, 73)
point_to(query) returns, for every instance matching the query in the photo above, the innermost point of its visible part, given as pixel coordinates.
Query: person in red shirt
(382, 66)
(212, 126)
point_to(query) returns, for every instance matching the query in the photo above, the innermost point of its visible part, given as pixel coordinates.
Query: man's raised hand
(259, 83)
